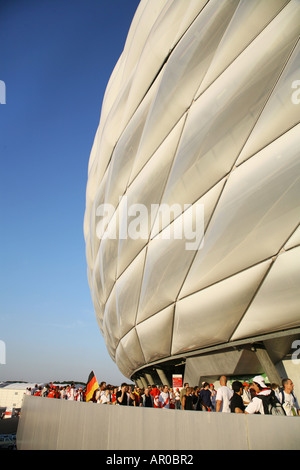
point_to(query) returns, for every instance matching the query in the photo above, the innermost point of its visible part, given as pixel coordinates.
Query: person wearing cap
(246, 396)
(256, 404)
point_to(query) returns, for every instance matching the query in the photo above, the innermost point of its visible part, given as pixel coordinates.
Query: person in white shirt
(256, 405)
(288, 399)
(71, 393)
(105, 397)
(79, 396)
(97, 395)
(164, 398)
(223, 396)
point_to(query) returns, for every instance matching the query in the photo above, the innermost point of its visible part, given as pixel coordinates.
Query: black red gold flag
(91, 386)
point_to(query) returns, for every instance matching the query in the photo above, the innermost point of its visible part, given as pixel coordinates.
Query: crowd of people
(67, 392)
(256, 397)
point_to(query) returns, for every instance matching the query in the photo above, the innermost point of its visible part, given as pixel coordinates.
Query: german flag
(91, 386)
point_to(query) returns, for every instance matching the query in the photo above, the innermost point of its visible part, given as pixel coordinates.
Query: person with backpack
(287, 398)
(264, 401)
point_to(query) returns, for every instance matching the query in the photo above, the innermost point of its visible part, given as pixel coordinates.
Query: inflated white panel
(144, 19)
(131, 345)
(294, 240)
(95, 286)
(127, 293)
(168, 261)
(111, 324)
(143, 195)
(182, 75)
(222, 118)
(124, 154)
(280, 113)
(258, 210)
(156, 330)
(99, 199)
(108, 253)
(198, 135)
(276, 305)
(210, 316)
(169, 26)
(123, 361)
(254, 15)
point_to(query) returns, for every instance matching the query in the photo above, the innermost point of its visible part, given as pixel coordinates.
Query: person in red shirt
(51, 394)
(137, 396)
(114, 396)
(38, 392)
(155, 392)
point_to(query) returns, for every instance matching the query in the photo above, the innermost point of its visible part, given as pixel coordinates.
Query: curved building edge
(226, 72)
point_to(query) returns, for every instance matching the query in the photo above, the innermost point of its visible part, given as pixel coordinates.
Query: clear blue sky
(56, 58)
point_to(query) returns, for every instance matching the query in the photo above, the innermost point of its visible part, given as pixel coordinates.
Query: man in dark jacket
(205, 397)
(147, 399)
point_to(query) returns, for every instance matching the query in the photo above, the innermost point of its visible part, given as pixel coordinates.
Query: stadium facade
(201, 112)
